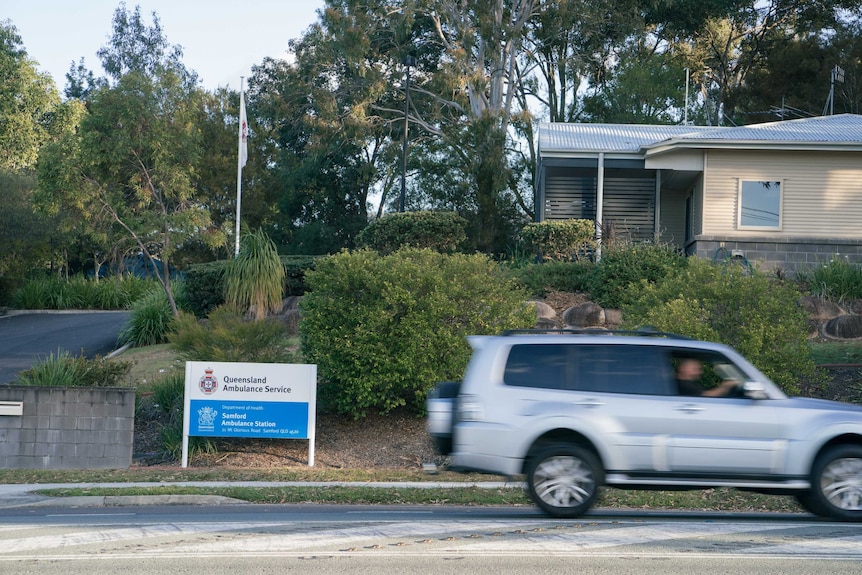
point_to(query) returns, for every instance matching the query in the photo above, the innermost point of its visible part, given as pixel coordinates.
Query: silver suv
(576, 410)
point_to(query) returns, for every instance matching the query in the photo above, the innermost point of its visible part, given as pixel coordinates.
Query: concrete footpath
(22, 495)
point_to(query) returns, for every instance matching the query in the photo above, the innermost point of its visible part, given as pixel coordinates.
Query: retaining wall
(66, 427)
(790, 255)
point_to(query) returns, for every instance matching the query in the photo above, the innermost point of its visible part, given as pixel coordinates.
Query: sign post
(273, 400)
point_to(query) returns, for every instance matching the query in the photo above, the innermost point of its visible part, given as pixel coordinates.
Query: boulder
(543, 310)
(844, 327)
(820, 309)
(587, 314)
(613, 318)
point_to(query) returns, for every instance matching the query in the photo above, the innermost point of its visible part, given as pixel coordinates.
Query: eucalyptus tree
(796, 79)
(328, 123)
(31, 117)
(135, 154)
(28, 102)
(481, 42)
(728, 50)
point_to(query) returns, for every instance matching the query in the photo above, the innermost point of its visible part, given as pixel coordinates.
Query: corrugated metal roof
(831, 129)
(631, 138)
(604, 137)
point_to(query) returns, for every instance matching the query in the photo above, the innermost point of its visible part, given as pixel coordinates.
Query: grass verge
(836, 352)
(707, 499)
(702, 500)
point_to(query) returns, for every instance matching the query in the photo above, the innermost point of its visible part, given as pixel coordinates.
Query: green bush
(561, 240)
(539, 279)
(150, 319)
(295, 268)
(440, 231)
(168, 394)
(756, 315)
(64, 370)
(226, 336)
(8, 287)
(837, 280)
(624, 264)
(114, 292)
(34, 294)
(205, 286)
(164, 408)
(205, 282)
(118, 292)
(384, 329)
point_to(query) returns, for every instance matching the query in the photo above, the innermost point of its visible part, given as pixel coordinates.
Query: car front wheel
(563, 480)
(836, 484)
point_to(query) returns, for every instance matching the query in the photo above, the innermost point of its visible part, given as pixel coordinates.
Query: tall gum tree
(481, 41)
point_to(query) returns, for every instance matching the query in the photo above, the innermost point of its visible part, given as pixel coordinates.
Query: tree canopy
(142, 159)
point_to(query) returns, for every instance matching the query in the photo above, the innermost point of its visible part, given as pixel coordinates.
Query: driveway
(30, 336)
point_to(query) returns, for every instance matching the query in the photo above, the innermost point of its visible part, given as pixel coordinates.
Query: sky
(221, 40)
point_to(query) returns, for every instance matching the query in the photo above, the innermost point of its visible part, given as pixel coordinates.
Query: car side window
(630, 369)
(705, 374)
(595, 368)
(537, 365)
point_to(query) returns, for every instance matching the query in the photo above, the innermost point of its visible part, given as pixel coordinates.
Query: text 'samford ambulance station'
(273, 400)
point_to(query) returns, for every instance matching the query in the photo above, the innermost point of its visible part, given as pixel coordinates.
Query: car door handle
(589, 403)
(690, 408)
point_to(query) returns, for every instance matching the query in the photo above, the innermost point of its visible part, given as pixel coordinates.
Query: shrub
(756, 315)
(255, 278)
(539, 279)
(150, 319)
(205, 287)
(383, 329)
(8, 286)
(114, 292)
(63, 370)
(837, 280)
(119, 291)
(439, 231)
(295, 268)
(624, 264)
(205, 282)
(166, 404)
(168, 394)
(34, 294)
(226, 336)
(561, 240)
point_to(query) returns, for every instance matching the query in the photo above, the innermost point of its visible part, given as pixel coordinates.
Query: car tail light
(470, 408)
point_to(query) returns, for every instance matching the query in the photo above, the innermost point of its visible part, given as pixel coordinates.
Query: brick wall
(790, 255)
(67, 428)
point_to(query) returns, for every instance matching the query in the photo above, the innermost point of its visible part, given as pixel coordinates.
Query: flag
(243, 132)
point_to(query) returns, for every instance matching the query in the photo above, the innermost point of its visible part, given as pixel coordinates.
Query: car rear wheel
(563, 480)
(836, 484)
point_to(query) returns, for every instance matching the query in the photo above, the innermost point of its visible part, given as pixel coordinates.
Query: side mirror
(754, 390)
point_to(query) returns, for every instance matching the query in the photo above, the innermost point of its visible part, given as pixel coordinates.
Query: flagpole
(242, 154)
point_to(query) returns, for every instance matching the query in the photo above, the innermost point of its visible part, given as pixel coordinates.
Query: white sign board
(274, 400)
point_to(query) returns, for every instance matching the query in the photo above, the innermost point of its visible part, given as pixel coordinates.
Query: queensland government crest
(206, 418)
(208, 384)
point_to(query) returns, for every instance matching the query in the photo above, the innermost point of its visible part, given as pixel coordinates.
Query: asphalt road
(28, 337)
(438, 539)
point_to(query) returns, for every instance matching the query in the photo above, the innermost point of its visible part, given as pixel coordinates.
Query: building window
(759, 205)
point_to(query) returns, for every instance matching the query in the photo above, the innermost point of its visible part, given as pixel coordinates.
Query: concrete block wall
(67, 428)
(790, 255)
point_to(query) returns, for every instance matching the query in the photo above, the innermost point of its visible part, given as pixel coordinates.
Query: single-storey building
(784, 195)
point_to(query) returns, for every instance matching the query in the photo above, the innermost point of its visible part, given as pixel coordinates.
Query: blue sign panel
(284, 420)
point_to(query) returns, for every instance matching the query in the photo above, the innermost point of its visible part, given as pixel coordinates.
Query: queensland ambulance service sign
(273, 400)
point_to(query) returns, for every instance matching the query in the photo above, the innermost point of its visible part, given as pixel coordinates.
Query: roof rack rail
(646, 331)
